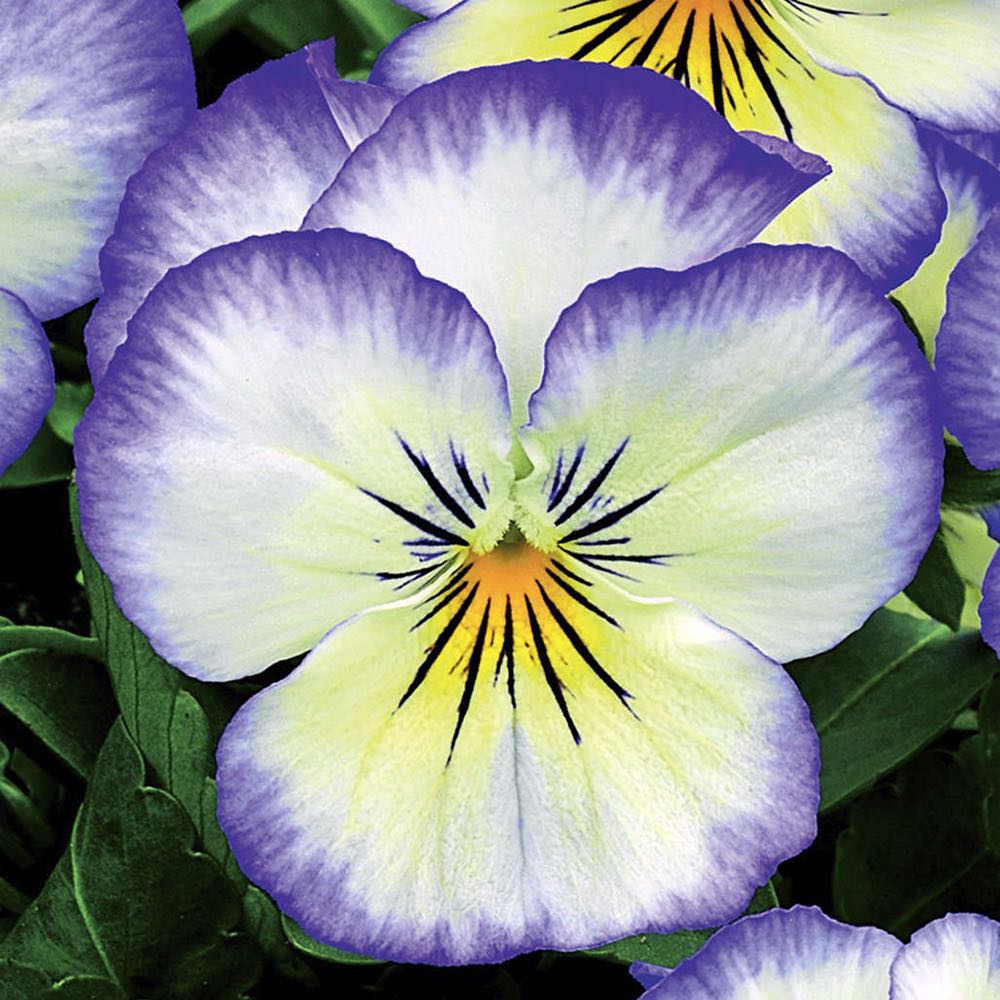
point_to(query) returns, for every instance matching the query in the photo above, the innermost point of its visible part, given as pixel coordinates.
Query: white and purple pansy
(87, 89)
(844, 79)
(802, 954)
(543, 513)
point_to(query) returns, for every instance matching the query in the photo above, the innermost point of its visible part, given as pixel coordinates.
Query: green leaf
(316, 949)
(47, 460)
(20, 982)
(41, 637)
(378, 21)
(64, 700)
(884, 693)
(131, 901)
(67, 410)
(965, 485)
(206, 21)
(669, 950)
(917, 850)
(937, 588)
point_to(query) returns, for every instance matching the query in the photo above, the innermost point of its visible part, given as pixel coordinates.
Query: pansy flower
(840, 79)
(87, 89)
(801, 954)
(543, 513)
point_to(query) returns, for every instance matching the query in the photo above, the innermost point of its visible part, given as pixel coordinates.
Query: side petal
(796, 953)
(521, 184)
(757, 436)
(298, 427)
(936, 60)
(881, 204)
(89, 89)
(968, 349)
(519, 770)
(972, 188)
(989, 608)
(249, 165)
(954, 958)
(27, 379)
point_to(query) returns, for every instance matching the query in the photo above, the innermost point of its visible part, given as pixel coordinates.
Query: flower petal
(520, 184)
(89, 89)
(299, 426)
(27, 379)
(755, 436)
(968, 349)
(796, 953)
(522, 769)
(989, 607)
(936, 60)
(250, 164)
(881, 205)
(954, 958)
(972, 188)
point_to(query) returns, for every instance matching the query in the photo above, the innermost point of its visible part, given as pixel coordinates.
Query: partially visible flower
(989, 609)
(802, 954)
(250, 164)
(544, 546)
(87, 89)
(840, 79)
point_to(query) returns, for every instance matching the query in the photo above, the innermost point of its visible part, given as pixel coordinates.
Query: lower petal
(799, 954)
(954, 958)
(541, 763)
(27, 383)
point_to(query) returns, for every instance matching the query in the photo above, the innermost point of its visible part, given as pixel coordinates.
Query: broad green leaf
(316, 949)
(47, 460)
(937, 588)
(378, 21)
(41, 637)
(669, 950)
(917, 850)
(64, 700)
(20, 982)
(884, 693)
(208, 20)
(131, 901)
(965, 485)
(67, 410)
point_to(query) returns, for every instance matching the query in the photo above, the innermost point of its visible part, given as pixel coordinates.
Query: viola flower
(803, 953)
(88, 88)
(840, 79)
(545, 528)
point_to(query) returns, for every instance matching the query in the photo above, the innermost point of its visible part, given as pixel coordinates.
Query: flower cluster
(545, 414)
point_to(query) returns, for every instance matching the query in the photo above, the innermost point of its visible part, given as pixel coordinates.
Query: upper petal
(298, 427)
(954, 958)
(796, 954)
(27, 382)
(881, 205)
(937, 60)
(968, 349)
(87, 90)
(506, 766)
(757, 436)
(250, 164)
(521, 184)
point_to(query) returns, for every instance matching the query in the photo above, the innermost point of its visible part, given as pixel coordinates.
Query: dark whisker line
(415, 573)
(582, 600)
(463, 474)
(718, 97)
(752, 50)
(551, 678)
(507, 648)
(416, 520)
(475, 659)
(654, 36)
(448, 584)
(422, 466)
(566, 571)
(612, 517)
(593, 486)
(652, 559)
(560, 494)
(624, 540)
(415, 543)
(578, 643)
(587, 560)
(443, 603)
(444, 637)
